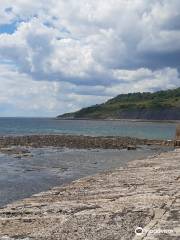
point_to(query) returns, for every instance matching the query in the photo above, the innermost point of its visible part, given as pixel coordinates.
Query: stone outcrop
(177, 141)
(143, 197)
(79, 142)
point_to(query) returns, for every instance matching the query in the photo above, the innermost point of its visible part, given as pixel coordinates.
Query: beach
(31, 164)
(139, 201)
(64, 186)
(90, 120)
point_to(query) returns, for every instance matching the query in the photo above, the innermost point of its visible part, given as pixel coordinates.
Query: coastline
(110, 205)
(120, 119)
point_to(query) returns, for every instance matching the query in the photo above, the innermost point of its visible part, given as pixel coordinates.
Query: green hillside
(158, 105)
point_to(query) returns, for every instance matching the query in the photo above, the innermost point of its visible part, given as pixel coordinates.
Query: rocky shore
(143, 197)
(79, 142)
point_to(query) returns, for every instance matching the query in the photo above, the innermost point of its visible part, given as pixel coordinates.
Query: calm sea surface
(49, 167)
(150, 130)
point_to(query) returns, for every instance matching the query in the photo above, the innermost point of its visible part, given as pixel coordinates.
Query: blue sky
(8, 28)
(59, 56)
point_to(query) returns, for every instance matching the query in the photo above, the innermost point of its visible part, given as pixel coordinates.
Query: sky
(60, 56)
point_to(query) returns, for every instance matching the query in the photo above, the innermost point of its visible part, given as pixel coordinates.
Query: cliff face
(162, 105)
(151, 114)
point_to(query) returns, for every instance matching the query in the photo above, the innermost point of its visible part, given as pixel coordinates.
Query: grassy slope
(130, 102)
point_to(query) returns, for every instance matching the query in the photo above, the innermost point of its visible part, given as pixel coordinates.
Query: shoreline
(120, 119)
(110, 205)
(27, 171)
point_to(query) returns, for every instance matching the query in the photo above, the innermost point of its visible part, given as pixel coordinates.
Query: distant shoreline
(117, 119)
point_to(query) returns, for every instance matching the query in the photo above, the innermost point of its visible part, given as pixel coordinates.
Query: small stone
(131, 147)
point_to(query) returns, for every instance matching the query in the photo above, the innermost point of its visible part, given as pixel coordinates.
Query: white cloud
(82, 52)
(143, 80)
(21, 95)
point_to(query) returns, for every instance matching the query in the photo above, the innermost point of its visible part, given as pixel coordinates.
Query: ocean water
(149, 130)
(49, 167)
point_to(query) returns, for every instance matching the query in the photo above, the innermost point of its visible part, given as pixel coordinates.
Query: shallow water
(149, 130)
(49, 167)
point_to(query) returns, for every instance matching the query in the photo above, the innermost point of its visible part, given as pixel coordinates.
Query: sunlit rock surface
(111, 205)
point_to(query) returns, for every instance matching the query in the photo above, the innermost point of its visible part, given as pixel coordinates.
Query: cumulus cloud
(20, 95)
(80, 53)
(144, 80)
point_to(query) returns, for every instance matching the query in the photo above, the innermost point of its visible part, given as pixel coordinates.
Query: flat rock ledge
(144, 197)
(79, 142)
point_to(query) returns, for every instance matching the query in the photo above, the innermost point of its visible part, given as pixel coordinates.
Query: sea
(139, 129)
(48, 167)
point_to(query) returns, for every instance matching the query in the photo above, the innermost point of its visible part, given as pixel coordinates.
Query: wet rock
(17, 152)
(78, 142)
(131, 147)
